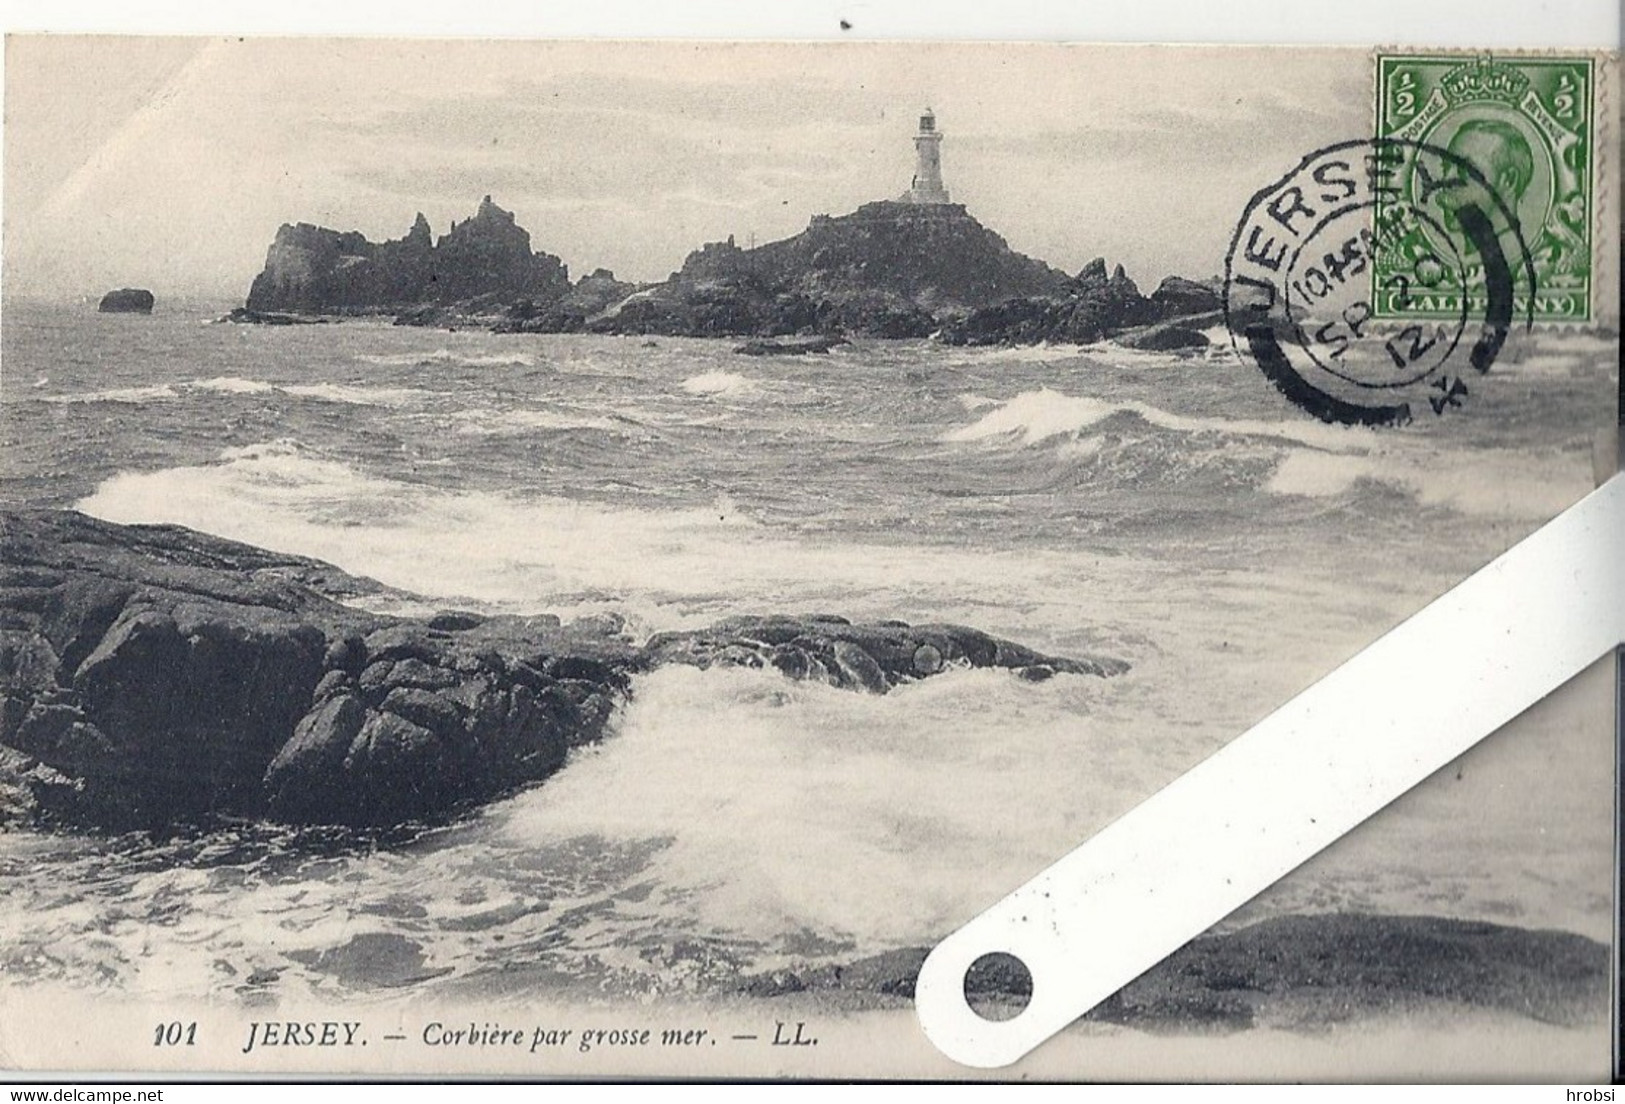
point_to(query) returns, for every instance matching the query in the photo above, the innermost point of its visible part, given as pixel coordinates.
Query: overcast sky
(169, 163)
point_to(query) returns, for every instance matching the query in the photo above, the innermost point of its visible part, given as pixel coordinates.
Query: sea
(1170, 510)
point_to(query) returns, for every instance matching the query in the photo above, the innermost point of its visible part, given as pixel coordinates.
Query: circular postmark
(1305, 297)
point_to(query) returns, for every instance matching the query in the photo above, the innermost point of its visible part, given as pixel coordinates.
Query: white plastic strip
(1292, 784)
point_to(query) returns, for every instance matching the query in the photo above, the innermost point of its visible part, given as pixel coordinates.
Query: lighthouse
(927, 186)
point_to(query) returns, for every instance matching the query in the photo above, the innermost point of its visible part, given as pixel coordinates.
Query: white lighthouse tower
(927, 186)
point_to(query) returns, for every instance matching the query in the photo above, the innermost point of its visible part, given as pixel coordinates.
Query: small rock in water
(127, 301)
(791, 346)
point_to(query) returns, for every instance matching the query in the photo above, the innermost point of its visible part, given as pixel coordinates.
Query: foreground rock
(871, 657)
(1293, 972)
(153, 676)
(127, 301)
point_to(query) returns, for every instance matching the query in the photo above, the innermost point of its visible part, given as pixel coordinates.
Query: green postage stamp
(1526, 124)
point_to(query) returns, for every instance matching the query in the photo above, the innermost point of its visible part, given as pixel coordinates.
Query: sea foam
(1034, 417)
(233, 385)
(718, 384)
(668, 567)
(360, 394)
(133, 396)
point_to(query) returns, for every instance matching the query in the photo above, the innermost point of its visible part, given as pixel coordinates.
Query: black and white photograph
(584, 559)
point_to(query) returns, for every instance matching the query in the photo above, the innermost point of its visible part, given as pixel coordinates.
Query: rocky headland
(890, 269)
(155, 677)
(485, 261)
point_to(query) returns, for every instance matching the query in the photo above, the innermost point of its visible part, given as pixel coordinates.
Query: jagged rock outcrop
(888, 269)
(871, 657)
(934, 255)
(1095, 305)
(152, 676)
(127, 301)
(1177, 296)
(312, 269)
(592, 295)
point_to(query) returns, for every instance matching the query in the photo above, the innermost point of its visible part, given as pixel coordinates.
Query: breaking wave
(233, 385)
(131, 395)
(351, 394)
(667, 567)
(359, 395)
(1033, 417)
(719, 384)
(1136, 443)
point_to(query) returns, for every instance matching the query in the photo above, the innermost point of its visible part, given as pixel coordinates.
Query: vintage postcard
(588, 559)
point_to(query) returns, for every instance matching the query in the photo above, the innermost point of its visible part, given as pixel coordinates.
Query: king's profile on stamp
(1525, 123)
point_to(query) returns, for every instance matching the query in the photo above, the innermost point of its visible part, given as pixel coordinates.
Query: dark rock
(244, 316)
(372, 960)
(432, 711)
(591, 297)
(63, 734)
(790, 346)
(348, 654)
(724, 307)
(1295, 973)
(1093, 273)
(934, 255)
(127, 301)
(1177, 296)
(1013, 322)
(888, 269)
(168, 677)
(1094, 306)
(332, 683)
(311, 269)
(927, 660)
(306, 779)
(876, 313)
(873, 657)
(154, 677)
(455, 621)
(401, 771)
(418, 675)
(1165, 338)
(858, 667)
